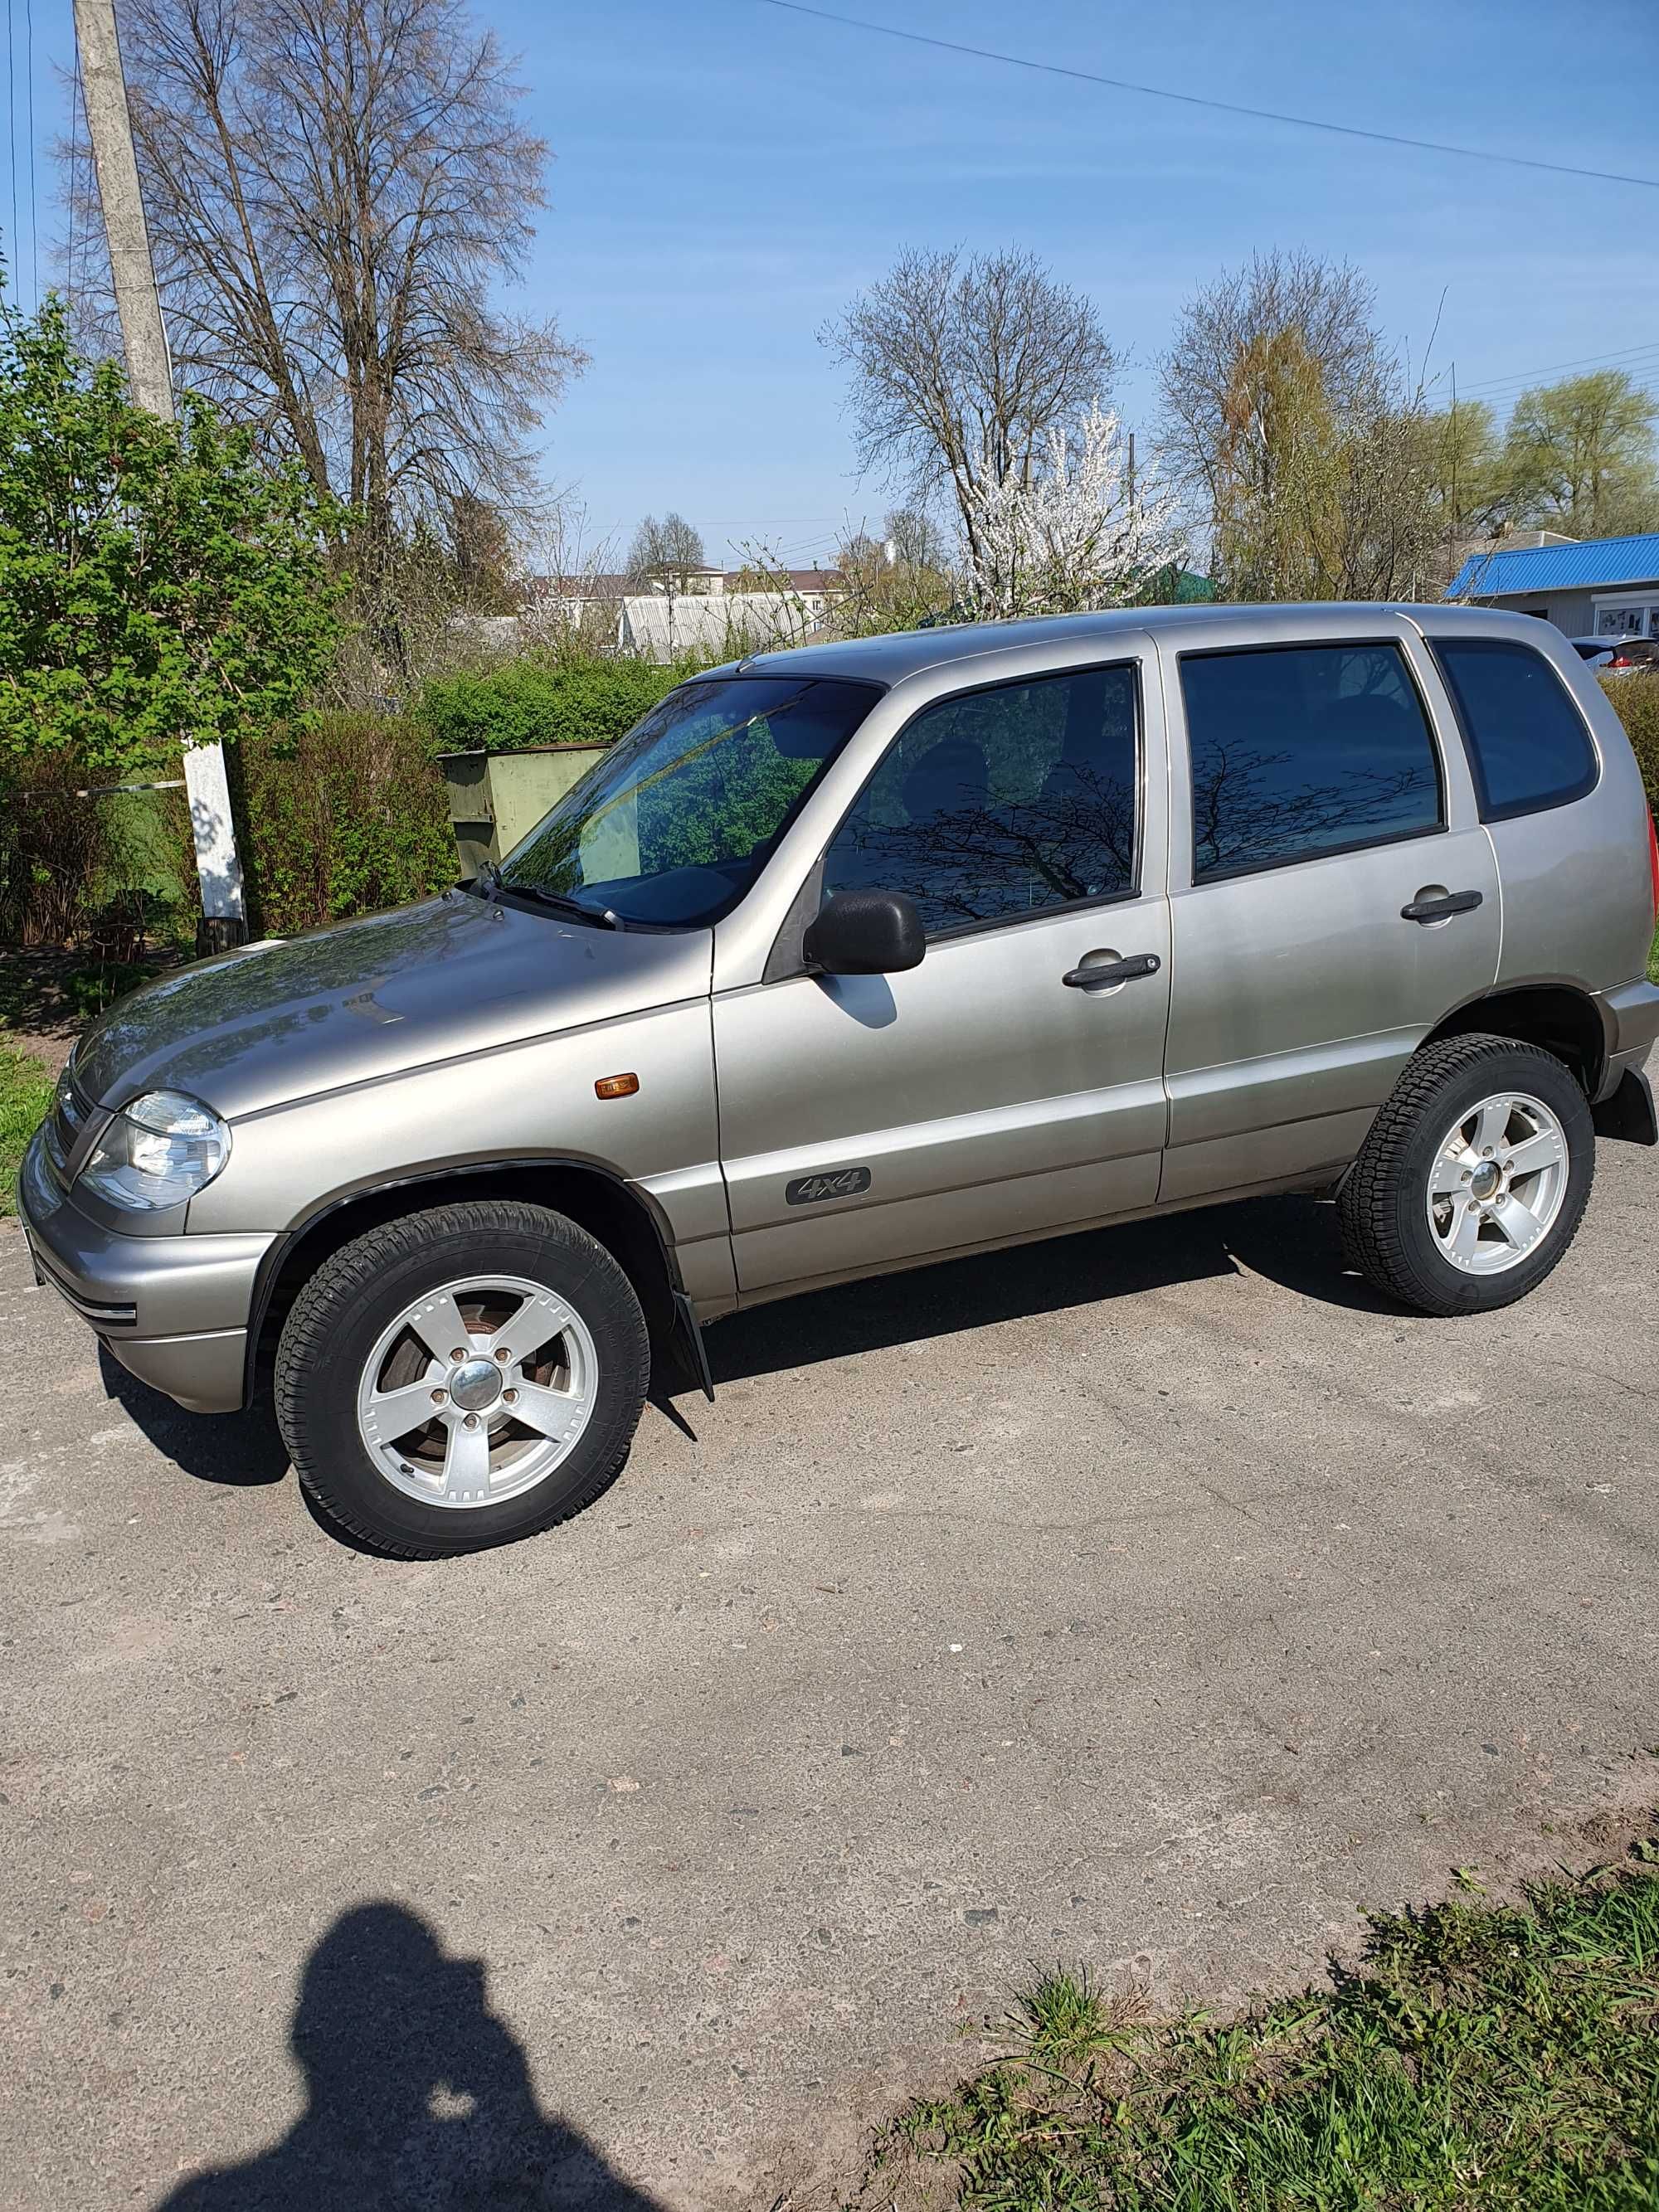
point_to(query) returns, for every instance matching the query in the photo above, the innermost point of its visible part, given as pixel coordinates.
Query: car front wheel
(1474, 1178)
(462, 1377)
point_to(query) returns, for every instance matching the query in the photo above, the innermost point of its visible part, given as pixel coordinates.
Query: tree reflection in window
(1002, 802)
(1298, 751)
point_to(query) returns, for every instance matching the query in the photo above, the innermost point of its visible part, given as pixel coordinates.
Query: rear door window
(1302, 750)
(1528, 745)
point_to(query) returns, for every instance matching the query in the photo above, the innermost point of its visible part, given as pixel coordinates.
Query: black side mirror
(865, 933)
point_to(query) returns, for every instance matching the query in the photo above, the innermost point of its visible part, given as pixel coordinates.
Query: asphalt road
(1154, 1599)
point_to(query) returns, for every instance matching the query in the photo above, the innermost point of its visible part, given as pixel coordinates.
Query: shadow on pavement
(240, 1449)
(1294, 1241)
(418, 2099)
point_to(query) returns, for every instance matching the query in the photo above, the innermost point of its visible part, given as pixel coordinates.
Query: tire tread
(1366, 1203)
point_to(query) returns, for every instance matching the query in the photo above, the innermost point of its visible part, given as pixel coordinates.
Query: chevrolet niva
(853, 956)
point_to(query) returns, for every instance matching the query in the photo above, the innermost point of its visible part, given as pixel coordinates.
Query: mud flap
(688, 1338)
(1627, 1112)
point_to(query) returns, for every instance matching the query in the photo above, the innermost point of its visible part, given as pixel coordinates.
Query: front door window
(1002, 802)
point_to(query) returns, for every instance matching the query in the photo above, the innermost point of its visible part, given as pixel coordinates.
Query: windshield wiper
(600, 918)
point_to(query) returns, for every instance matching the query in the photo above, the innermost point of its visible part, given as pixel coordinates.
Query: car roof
(890, 658)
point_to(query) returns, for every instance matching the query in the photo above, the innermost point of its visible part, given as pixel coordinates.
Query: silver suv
(851, 957)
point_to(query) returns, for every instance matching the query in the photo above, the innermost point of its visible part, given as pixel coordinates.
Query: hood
(281, 1021)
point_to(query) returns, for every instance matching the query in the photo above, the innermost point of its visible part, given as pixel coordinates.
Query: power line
(1223, 106)
(1631, 354)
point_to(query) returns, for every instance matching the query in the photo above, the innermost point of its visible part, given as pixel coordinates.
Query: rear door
(1333, 896)
(866, 1120)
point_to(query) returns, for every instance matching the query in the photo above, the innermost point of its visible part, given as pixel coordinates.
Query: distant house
(717, 625)
(715, 614)
(1589, 587)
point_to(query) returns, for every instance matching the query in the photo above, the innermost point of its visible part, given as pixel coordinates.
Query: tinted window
(1527, 743)
(1002, 802)
(1304, 750)
(682, 814)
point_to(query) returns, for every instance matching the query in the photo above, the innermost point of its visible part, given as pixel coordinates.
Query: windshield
(674, 824)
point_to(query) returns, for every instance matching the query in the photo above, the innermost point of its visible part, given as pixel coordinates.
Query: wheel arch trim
(642, 1202)
(1537, 994)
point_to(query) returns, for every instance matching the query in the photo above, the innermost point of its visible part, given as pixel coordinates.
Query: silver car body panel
(1024, 1104)
(1300, 992)
(1577, 892)
(977, 1101)
(444, 983)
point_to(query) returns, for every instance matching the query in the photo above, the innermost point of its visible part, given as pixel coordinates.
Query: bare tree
(1281, 303)
(665, 554)
(334, 188)
(892, 582)
(915, 537)
(1297, 438)
(960, 369)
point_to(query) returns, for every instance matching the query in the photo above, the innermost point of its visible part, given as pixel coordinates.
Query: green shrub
(1635, 696)
(536, 702)
(343, 819)
(25, 1095)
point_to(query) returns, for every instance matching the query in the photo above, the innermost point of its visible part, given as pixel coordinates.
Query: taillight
(1618, 660)
(1653, 864)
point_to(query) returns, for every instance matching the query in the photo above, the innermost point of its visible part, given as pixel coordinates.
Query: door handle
(1439, 909)
(1113, 971)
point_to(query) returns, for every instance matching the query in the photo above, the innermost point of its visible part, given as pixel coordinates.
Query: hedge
(1635, 696)
(542, 703)
(349, 816)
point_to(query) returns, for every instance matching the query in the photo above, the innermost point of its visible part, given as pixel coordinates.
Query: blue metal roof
(1581, 568)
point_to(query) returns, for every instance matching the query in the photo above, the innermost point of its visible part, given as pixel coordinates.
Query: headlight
(158, 1151)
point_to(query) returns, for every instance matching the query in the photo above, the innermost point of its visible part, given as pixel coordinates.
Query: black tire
(1383, 1203)
(338, 1318)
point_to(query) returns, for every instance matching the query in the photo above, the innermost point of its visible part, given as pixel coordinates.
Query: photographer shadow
(418, 2097)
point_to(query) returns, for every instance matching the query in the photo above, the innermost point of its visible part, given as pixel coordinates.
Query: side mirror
(865, 933)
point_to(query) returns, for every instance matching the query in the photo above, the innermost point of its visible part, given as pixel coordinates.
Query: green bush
(25, 1095)
(1635, 696)
(536, 702)
(343, 819)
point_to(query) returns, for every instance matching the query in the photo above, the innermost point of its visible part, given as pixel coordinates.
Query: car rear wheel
(462, 1377)
(1474, 1178)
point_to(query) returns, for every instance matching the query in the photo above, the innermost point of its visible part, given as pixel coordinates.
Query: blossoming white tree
(1077, 530)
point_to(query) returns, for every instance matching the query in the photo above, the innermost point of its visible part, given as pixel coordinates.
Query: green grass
(25, 1094)
(1653, 959)
(1480, 2056)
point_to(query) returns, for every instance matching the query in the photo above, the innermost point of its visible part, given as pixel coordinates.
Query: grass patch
(1480, 2055)
(25, 1091)
(1653, 959)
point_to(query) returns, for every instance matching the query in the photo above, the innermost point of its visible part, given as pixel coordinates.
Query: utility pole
(149, 374)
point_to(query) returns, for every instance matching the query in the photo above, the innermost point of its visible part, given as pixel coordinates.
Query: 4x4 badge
(839, 1182)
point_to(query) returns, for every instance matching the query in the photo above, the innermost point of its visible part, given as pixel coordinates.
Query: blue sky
(728, 175)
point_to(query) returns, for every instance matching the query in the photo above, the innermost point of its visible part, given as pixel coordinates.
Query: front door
(994, 1090)
(1333, 896)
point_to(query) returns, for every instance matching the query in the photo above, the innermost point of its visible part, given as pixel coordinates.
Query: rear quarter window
(1528, 745)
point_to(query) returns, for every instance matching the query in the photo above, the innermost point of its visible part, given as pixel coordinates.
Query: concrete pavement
(1154, 1599)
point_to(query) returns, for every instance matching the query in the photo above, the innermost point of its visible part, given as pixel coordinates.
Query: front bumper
(173, 1310)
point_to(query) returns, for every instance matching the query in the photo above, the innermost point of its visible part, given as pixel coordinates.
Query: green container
(495, 797)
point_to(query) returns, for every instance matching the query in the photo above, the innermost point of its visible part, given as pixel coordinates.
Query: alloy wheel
(1497, 1183)
(477, 1390)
